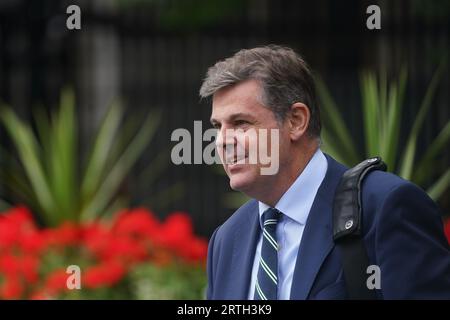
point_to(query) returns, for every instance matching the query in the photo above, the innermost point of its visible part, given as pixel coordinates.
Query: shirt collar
(297, 201)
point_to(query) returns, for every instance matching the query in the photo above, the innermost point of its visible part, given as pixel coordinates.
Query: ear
(298, 120)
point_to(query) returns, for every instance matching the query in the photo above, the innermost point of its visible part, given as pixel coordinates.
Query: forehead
(243, 97)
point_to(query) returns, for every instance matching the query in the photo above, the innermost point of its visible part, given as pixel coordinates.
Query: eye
(241, 122)
(216, 125)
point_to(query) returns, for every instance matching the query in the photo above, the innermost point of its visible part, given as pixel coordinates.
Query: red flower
(135, 236)
(10, 264)
(124, 249)
(8, 234)
(194, 250)
(29, 268)
(34, 242)
(66, 234)
(104, 274)
(14, 223)
(96, 237)
(56, 281)
(177, 234)
(138, 222)
(12, 288)
(177, 229)
(26, 266)
(20, 216)
(107, 246)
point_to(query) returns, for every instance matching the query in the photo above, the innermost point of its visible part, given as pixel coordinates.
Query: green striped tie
(267, 279)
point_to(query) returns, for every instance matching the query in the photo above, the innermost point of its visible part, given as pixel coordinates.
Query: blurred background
(147, 59)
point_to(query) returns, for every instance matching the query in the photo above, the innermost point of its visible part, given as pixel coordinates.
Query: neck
(286, 177)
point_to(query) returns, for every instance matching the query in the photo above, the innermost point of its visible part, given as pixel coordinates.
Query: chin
(241, 183)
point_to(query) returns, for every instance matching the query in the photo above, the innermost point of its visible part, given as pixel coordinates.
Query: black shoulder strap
(347, 228)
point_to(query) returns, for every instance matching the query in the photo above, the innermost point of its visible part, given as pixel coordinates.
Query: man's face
(239, 117)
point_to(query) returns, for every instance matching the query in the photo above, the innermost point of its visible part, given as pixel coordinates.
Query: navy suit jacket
(403, 234)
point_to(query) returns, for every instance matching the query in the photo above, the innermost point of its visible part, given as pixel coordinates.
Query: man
(279, 245)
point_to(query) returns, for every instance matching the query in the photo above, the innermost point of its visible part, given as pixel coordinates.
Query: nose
(225, 138)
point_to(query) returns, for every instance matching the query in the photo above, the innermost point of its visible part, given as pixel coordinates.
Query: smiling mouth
(235, 160)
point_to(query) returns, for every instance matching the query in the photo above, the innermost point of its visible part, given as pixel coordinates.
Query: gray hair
(283, 74)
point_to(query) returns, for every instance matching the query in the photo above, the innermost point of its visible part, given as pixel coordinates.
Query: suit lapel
(317, 239)
(246, 238)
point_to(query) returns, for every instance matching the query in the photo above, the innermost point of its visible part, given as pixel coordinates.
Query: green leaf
(333, 148)
(383, 105)
(408, 158)
(126, 160)
(101, 151)
(62, 158)
(48, 178)
(395, 105)
(382, 118)
(438, 188)
(43, 128)
(13, 180)
(117, 204)
(154, 169)
(336, 127)
(371, 119)
(29, 154)
(424, 169)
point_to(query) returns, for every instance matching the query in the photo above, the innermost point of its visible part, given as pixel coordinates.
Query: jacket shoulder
(382, 190)
(382, 182)
(379, 185)
(242, 215)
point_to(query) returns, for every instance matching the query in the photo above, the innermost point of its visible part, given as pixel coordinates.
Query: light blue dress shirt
(295, 205)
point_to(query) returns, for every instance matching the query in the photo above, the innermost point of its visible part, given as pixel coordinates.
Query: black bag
(347, 228)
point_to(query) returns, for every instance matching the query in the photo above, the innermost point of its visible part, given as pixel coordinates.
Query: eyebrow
(233, 117)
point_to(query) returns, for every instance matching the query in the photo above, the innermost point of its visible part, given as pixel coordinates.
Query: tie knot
(271, 216)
